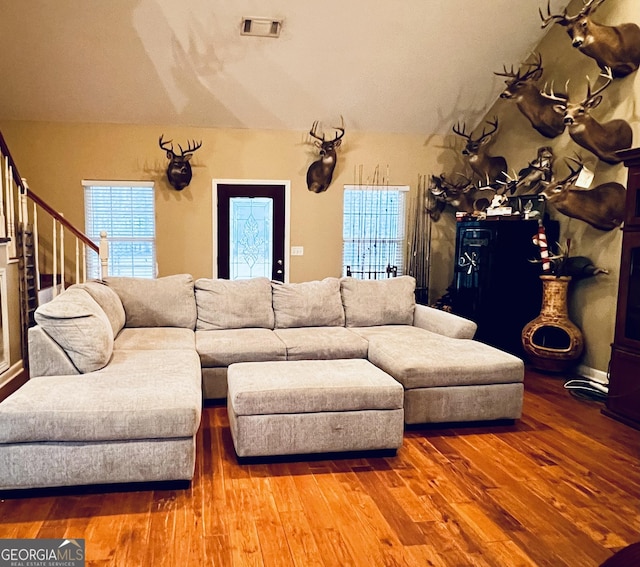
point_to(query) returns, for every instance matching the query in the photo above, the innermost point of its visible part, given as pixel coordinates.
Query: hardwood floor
(559, 487)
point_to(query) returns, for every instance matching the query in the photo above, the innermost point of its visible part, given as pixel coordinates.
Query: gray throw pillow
(163, 302)
(76, 322)
(237, 304)
(368, 303)
(108, 300)
(308, 304)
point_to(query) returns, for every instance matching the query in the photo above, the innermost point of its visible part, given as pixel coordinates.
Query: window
(126, 211)
(373, 231)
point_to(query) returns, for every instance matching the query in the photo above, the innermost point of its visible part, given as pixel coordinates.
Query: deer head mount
(320, 172)
(602, 207)
(604, 139)
(535, 104)
(532, 179)
(489, 169)
(179, 169)
(617, 47)
(463, 196)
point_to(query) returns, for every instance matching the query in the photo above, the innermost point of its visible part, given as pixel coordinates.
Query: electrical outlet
(297, 250)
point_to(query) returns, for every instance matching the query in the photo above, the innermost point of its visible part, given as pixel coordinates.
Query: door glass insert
(632, 327)
(250, 235)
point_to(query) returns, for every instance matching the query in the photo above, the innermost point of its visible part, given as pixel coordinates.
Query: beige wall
(56, 157)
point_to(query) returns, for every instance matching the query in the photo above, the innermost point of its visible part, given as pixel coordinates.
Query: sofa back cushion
(109, 301)
(368, 303)
(76, 322)
(308, 304)
(237, 304)
(163, 302)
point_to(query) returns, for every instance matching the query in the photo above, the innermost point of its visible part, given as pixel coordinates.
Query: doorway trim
(287, 216)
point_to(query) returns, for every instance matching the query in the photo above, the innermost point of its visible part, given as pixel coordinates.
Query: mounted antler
(463, 195)
(602, 207)
(179, 169)
(536, 105)
(617, 47)
(320, 172)
(603, 139)
(486, 167)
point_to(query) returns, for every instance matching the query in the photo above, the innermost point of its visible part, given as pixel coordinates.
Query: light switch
(297, 250)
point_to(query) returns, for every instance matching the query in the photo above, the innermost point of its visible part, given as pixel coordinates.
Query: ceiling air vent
(261, 27)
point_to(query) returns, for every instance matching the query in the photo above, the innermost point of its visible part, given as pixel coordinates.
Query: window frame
(398, 238)
(93, 264)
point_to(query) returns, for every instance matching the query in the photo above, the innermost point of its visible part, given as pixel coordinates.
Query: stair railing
(17, 196)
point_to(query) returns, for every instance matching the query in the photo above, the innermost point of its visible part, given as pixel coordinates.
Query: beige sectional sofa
(119, 368)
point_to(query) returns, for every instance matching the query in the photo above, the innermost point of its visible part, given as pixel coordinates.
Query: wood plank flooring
(561, 487)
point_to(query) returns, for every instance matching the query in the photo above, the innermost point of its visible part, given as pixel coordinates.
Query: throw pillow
(76, 322)
(108, 300)
(163, 302)
(237, 304)
(368, 303)
(308, 304)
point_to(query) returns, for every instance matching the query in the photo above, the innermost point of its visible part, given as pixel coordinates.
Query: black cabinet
(623, 402)
(495, 283)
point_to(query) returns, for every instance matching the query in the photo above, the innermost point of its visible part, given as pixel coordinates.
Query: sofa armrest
(46, 357)
(443, 323)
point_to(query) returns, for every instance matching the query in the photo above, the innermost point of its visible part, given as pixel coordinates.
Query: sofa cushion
(222, 348)
(378, 302)
(163, 302)
(139, 395)
(238, 304)
(422, 359)
(155, 338)
(76, 322)
(308, 304)
(109, 301)
(322, 343)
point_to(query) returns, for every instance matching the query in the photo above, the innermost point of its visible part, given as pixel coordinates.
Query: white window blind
(373, 231)
(126, 211)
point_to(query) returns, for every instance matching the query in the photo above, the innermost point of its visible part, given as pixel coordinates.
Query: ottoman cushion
(311, 386)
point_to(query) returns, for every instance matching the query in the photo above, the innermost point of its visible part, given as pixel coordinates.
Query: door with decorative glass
(251, 231)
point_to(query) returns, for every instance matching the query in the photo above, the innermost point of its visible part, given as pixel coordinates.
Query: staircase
(33, 269)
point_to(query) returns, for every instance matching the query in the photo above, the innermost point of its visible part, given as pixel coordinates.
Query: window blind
(373, 231)
(127, 213)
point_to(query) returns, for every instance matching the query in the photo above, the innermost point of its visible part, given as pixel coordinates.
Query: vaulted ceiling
(410, 66)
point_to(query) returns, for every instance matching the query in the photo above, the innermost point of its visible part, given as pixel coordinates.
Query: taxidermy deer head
(602, 207)
(463, 196)
(603, 139)
(179, 168)
(531, 179)
(320, 172)
(536, 105)
(488, 168)
(617, 47)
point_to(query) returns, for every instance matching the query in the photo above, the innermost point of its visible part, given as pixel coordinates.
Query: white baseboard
(11, 373)
(592, 374)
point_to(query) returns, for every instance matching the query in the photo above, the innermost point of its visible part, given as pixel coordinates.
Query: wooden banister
(63, 221)
(24, 190)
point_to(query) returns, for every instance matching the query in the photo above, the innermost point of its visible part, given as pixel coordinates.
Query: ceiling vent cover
(261, 27)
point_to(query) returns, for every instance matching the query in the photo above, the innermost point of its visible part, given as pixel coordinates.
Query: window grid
(127, 214)
(373, 231)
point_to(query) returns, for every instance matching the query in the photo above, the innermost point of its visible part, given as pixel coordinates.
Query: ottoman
(313, 406)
